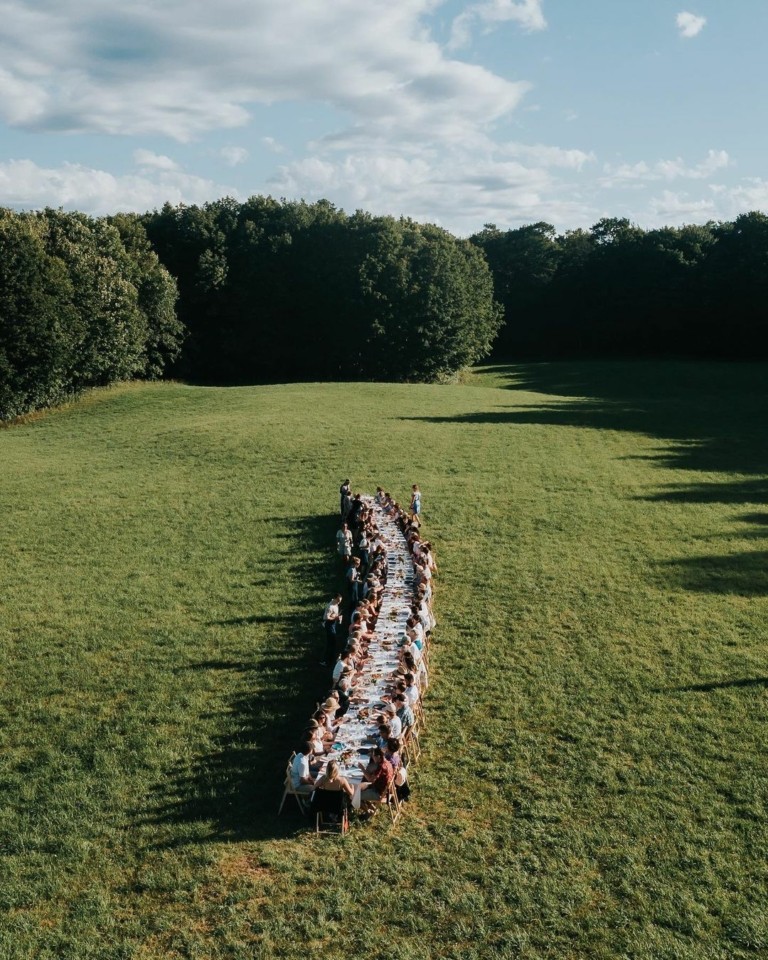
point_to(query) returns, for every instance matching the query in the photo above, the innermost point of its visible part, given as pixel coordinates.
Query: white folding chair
(291, 791)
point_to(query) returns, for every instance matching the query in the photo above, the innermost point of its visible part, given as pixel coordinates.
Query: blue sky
(459, 113)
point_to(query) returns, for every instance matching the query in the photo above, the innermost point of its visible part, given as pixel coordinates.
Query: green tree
(38, 323)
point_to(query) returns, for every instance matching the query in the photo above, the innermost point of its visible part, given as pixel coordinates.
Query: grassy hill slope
(593, 781)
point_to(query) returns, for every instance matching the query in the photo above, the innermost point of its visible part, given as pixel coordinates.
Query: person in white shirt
(411, 690)
(331, 623)
(394, 722)
(301, 779)
(344, 660)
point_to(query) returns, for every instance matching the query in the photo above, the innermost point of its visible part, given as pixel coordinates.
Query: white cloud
(527, 13)
(182, 69)
(233, 156)
(274, 146)
(75, 187)
(751, 193)
(689, 24)
(678, 207)
(666, 169)
(458, 188)
(145, 158)
(547, 156)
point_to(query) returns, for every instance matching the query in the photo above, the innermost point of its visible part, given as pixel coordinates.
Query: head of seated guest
(329, 708)
(392, 752)
(409, 664)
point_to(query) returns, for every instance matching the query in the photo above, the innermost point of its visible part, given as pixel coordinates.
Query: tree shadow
(718, 685)
(742, 574)
(233, 790)
(737, 491)
(711, 412)
(710, 417)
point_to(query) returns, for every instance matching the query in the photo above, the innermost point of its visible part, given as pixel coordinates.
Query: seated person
(392, 753)
(385, 735)
(314, 734)
(378, 776)
(301, 779)
(395, 723)
(411, 689)
(430, 557)
(343, 690)
(333, 782)
(344, 660)
(325, 722)
(404, 712)
(332, 719)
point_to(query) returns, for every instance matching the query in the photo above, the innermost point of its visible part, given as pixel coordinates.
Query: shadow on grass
(719, 685)
(744, 574)
(234, 790)
(710, 417)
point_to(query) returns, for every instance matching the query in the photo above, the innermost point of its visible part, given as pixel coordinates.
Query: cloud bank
(183, 69)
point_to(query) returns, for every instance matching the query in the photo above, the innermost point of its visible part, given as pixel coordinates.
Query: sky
(452, 112)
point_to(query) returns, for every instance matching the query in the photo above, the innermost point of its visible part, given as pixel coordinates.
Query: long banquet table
(355, 735)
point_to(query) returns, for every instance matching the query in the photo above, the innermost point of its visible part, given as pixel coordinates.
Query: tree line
(232, 292)
(276, 289)
(617, 290)
(83, 303)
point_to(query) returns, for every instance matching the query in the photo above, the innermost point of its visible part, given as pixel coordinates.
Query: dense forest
(276, 289)
(83, 303)
(617, 290)
(234, 292)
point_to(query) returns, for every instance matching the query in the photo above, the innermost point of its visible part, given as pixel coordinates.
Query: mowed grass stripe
(593, 780)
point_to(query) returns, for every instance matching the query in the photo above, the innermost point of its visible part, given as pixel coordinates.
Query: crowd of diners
(363, 554)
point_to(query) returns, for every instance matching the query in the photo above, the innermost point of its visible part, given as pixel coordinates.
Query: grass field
(594, 775)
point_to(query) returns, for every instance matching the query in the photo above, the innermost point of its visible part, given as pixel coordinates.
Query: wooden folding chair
(331, 811)
(411, 744)
(418, 713)
(393, 802)
(290, 791)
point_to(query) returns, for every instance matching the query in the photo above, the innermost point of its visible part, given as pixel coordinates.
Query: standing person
(355, 510)
(344, 491)
(331, 623)
(363, 547)
(415, 500)
(344, 542)
(353, 579)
